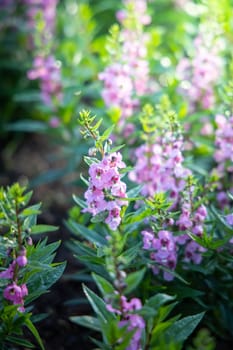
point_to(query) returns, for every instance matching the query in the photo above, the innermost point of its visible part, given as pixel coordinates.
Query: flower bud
(21, 260)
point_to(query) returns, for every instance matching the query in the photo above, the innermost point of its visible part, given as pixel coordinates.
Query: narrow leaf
(98, 306)
(79, 201)
(104, 286)
(43, 229)
(133, 280)
(34, 331)
(87, 321)
(88, 234)
(181, 329)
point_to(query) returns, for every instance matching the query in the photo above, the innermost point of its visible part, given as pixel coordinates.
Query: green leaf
(158, 300)
(161, 327)
(106, 134)
(27, 126)
(79, 201)
(100, 217)
(84, 180)
(133, 280)
(104, 286)
(32, 219)
(43, 229)
(230, 195)
(80, 248)
(117, 148)
(88, 234)
(87, 321)
(165, 310)
(181, 329)
(130, 254)
(137, 216)
(185, 292)
(19, 341)
(97, 125)
(100, 345)
(32, 210)
(34, 331)
(98, 306)
(90, 160)
(134, 192)
(221, 221)
(39, 283)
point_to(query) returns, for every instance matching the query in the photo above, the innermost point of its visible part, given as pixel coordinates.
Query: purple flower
(21, 260)
(163, 251)
(45, 67)
(159, 167)
(200, 73)
(193, 252)
(113, 220)
(147, 239)
(8, 273)
(105, 183)
(16, 294)
(229, 219)
(132, 321)
(127, 77)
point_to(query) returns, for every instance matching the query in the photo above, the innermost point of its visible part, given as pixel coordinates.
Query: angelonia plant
(127, 75)
(41, 16)
(26, 266)
(129, 240)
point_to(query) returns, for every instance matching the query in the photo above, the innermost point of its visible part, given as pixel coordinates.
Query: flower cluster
(47, 70)
(224, 156)
(139, 14)
(127, 77)
(192, 220)
(14, 292)
(159, 167)
(44, 11)
(224, 141)
(165, 247)
(45, 66)
(200, 73)
(130, 319)
(106, 190)
(163, 251)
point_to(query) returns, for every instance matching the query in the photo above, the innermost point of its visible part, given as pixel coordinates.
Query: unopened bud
(21, 260)
(92, 151)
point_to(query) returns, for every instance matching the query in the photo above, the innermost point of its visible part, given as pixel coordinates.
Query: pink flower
(54, 122)
(163, 251)
(200, 73)
(8, 273)
(127, 77)
(229, 219)
(15, 294)
(193, 252)
(21, 260)
(147, 239)
(105, 183)
(113, 220)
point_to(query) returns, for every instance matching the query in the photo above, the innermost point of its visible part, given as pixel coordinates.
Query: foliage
(153, 223)
(27, 269)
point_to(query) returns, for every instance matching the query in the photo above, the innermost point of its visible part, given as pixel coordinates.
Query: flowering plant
(26, 268)
(130, 314)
